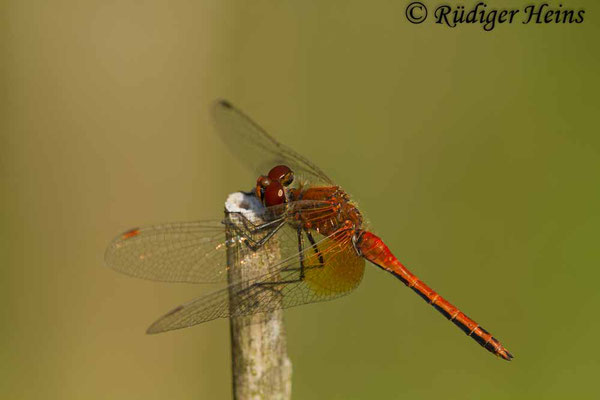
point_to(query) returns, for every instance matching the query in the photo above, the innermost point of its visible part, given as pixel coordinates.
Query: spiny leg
(258, 244)
(287, 281)
(254, 244)
(313, 244)
(254, 227)
(301, 251)
(315, 247)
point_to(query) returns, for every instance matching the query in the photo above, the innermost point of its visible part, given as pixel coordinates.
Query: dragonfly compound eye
(282, 173)
(261, 185)
(273, 194)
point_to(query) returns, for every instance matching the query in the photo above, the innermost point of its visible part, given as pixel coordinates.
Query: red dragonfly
(319, 231)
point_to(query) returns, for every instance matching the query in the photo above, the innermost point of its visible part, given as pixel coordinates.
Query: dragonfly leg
(272, 286)
(255, 245)
(251, 297)
(252, 242)
(301, 251)
(251, 226)
(313, 244)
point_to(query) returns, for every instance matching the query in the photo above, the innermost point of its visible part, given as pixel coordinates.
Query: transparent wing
(332, 268)
(259, 150)
(176, 252)
(196, 252)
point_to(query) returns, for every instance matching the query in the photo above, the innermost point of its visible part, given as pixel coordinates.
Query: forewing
(177, 252)
(259, 150)
(196, 252)
(283, 287)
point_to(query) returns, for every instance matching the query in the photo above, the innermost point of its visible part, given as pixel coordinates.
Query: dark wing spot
(173, 311)
(225, 103)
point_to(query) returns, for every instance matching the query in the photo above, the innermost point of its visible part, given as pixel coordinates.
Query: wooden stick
(260, 366)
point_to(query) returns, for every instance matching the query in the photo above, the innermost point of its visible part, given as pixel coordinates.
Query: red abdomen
(373, 249)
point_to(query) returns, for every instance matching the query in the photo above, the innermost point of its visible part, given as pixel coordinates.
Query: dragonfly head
(270, 189)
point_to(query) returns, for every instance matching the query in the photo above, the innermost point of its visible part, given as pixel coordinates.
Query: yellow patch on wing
(341, 271)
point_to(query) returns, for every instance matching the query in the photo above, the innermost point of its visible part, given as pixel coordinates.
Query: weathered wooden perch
(260, 365)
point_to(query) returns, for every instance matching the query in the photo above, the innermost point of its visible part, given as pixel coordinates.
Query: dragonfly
(321, 238)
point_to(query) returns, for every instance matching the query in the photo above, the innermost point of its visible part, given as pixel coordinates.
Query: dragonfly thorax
(337, 213)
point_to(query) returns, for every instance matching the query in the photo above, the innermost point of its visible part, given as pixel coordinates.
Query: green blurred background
(475, 155)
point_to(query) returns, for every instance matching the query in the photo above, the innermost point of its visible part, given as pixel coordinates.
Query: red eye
(282, 173)
(273, 194)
